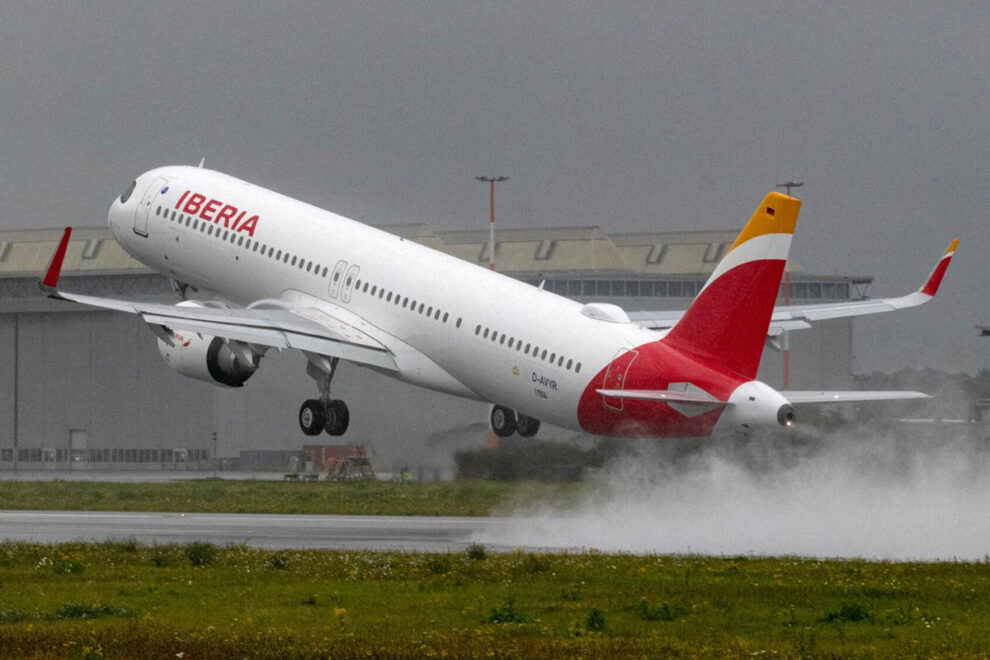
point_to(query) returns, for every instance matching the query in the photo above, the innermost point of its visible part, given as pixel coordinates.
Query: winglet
(50, 280)
(935, 279)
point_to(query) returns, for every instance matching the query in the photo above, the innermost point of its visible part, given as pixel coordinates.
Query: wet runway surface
(408, 533)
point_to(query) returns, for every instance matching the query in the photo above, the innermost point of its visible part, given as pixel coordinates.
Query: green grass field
(127, 601)
(450, 498)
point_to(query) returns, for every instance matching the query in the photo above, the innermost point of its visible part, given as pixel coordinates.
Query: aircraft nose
(118, 205)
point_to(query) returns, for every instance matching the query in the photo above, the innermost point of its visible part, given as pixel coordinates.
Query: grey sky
(626, 115)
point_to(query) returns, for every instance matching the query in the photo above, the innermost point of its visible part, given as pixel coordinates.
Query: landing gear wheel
(337, 417)
(527, 426)
(503, 421)
(311, 417)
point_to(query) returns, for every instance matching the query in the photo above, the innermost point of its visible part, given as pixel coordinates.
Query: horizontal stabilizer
(849, 396)
(664, 395)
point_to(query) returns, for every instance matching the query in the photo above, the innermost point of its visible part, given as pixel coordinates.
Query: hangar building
(83, 388)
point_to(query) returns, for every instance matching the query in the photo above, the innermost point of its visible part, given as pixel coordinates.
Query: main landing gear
(505, 422)
(323, 414)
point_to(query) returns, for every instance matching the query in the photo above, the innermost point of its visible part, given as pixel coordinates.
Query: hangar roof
(521, 252)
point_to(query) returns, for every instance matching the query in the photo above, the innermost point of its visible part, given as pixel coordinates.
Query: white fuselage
(436, 313)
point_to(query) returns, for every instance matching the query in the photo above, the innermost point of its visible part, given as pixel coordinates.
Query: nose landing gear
(323, 414)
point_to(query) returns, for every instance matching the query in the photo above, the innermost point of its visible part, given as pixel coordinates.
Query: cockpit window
(127, 193)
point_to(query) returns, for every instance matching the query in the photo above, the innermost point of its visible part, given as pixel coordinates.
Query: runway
(270, 531)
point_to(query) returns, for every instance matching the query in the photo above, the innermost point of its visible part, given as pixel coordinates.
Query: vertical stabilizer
(727, 323)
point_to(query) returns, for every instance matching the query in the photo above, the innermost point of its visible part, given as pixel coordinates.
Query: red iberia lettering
(208, 210)
(194, 204)
(217, 212)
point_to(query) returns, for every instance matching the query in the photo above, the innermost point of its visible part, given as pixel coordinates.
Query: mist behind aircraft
(862, 495)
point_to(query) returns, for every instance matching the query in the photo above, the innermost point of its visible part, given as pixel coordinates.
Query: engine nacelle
(206, 358)
(755, 405)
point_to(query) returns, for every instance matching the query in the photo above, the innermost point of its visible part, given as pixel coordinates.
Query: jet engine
(207, 358)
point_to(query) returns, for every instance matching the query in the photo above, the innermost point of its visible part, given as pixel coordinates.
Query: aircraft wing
(798, 317)
(304, 328)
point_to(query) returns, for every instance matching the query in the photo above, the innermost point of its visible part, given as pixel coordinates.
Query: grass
(129, 600)
(454, 498)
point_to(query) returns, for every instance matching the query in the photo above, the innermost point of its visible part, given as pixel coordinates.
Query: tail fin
(727, 323)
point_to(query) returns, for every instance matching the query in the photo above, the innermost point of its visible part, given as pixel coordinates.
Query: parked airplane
(286, 275)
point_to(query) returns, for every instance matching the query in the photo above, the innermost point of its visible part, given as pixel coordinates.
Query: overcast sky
(630, 116)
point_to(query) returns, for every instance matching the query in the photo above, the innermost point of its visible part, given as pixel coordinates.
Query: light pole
(491, 181)
(787, 185)
(786, 344)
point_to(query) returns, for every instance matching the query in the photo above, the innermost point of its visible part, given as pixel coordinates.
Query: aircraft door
(615, 377)
(143, 210)
(349, 279)
(336, 279)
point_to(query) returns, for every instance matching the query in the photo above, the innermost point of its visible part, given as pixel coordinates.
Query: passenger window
(510, 342)
(309, 266)
(560, 361)
(569, 364)
(240, 241)
(173, 215)
(445, 317)
(405, 303)
(527, 349)
(577, 368)
(389, 299)
(458, 323)
(279, 255)
(502, 340)
(158, 211)
(494, 335)
(543, 356)
(485, 335)
(225, 232)
(325, 271)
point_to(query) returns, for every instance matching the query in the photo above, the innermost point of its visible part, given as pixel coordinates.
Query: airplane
(284, 274)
